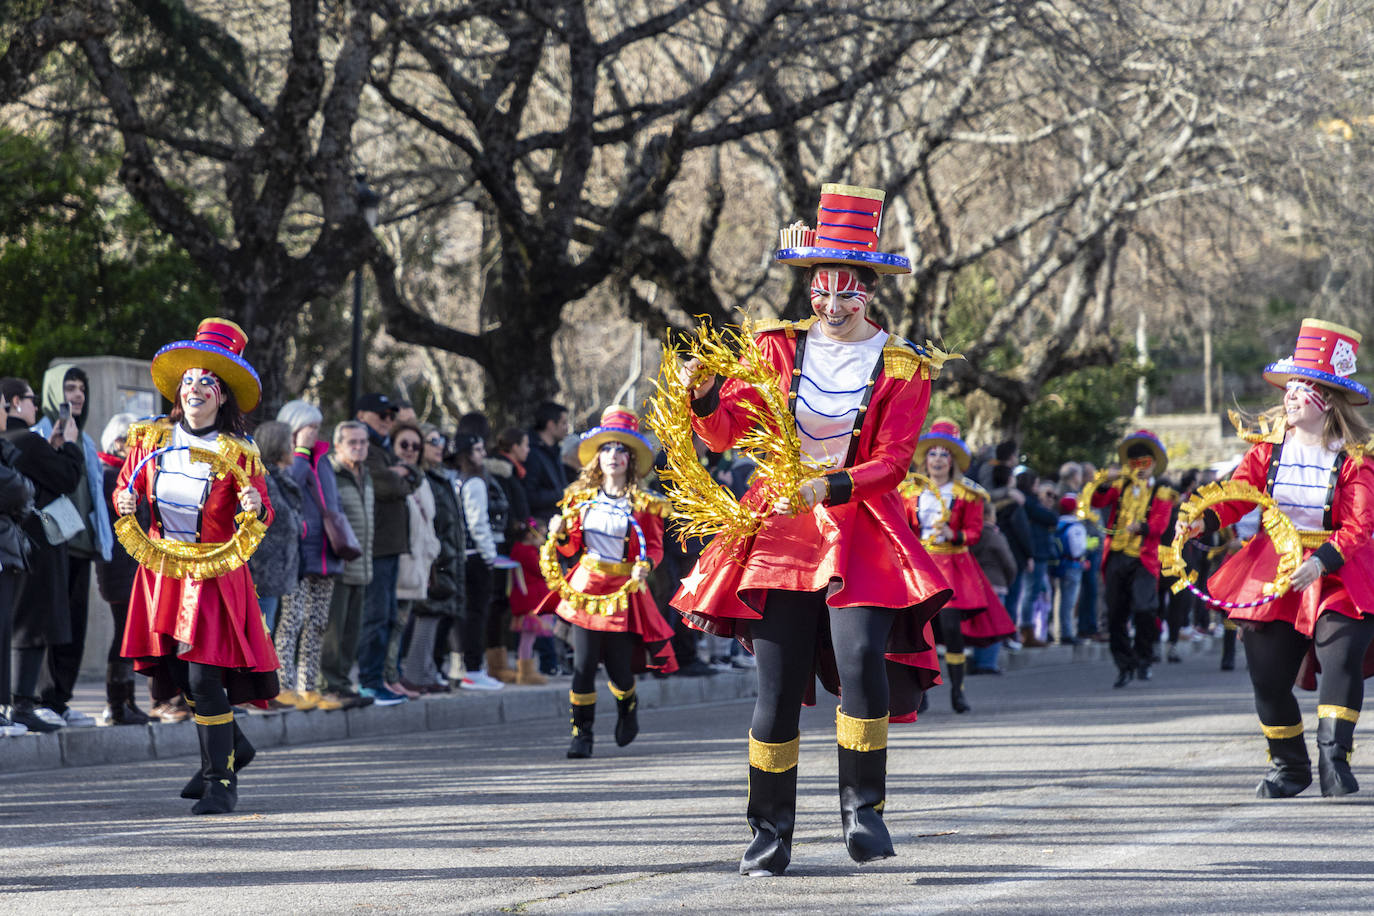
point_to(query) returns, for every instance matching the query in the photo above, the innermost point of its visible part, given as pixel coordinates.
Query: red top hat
(618, 424)
(218, 348)
(944, 433)
(1324, 353)
(848, 222)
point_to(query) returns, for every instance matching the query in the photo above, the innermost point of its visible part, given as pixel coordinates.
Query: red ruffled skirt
(640, 617)
(985, 618)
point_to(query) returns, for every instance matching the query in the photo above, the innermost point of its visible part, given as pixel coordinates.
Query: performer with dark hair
(618, 529)
(193, 615)
(1311, 455)
(842, 588)
(947, 514)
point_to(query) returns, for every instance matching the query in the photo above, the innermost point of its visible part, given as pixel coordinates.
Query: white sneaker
(1012, 645)
(44, 714)
(10, 729)
(743, 660)
(480, 680)
(77, 719)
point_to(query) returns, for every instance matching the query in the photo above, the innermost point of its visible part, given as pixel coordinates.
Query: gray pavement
(1056, 793)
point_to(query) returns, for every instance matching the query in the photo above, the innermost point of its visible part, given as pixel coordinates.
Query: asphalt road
(1056, 794)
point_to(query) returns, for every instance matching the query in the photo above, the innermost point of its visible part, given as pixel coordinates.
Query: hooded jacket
(98, 537)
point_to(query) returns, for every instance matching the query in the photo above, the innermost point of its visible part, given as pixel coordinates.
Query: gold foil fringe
(1278, 526)
(601, 605)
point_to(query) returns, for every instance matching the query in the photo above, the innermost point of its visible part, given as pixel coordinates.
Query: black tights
(590, 647)
(785, 647)
(203, 685)
(952, 629)
(1274, 652)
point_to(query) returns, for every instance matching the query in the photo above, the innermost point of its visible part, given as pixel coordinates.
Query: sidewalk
(73, 747)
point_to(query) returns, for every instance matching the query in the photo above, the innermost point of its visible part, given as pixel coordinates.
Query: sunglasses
(408, 445)
(437, 442)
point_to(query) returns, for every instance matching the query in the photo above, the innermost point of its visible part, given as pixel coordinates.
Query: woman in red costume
(842, 589)
(206, 634)
(609, 513)
(949, 524)
(1310, 456)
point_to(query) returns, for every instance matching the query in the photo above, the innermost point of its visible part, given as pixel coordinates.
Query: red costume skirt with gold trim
(985, 618)
(868, 550)
(641, 617)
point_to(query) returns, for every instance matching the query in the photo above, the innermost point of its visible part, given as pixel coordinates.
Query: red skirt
(640, 617)
(985, 618)
(866, 548)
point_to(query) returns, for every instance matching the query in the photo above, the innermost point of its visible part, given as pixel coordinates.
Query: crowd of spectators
(402, 560)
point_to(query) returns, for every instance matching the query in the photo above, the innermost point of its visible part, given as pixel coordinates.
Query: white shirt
(1300, 485)
(929, 509)
(182, 485)
(605, 523)
(835, 375)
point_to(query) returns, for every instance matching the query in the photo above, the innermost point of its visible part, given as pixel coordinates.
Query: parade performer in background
(193, 615)
(1140, 508)
(947, 514)
(618, 528)
(1311, 456)
(839, 587)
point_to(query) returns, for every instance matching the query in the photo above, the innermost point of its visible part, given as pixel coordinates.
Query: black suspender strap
(1273, 471)
(1330, 499)
(859, 414)
(796, 371)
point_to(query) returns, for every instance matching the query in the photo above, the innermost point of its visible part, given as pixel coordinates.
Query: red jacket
(1157, 517)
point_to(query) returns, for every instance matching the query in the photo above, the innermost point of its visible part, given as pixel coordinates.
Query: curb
(76, 747)
(1092, 651)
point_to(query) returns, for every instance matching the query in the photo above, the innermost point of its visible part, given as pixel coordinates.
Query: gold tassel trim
(1281, 731)
(1344, 713)
(860, 734)
(621, 694)
(223, 718)
(582, 699)
(774, 758)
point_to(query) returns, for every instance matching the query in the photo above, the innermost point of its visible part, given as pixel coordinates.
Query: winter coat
(277, 562)
(1043, 521)
(545, 478)
(447, 592)
(503, 472)
(98, 538)
(994, 556)
(390, 491)
(412, 579)
(315, 477)
(357, 501)
(16, 504)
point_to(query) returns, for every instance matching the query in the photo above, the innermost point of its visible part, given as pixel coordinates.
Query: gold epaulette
(1264, 433)
(652, 503)
(1356, 454)
(782, 324)
(904, 360)
(1166, 493)
(968, 490)
(149, 434)
(243, 452)
(577, 496)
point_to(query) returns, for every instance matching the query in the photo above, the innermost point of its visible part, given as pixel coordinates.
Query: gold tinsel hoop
(911, 489)
(1086, 512)
(180, 559)
(702, 507)
(603, 605)
(1276, 524)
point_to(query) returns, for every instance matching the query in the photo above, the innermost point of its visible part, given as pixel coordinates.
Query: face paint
(844, 285)
(1308, 394)
(201, 384)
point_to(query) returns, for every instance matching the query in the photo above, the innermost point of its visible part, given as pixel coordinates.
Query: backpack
(1064, 557)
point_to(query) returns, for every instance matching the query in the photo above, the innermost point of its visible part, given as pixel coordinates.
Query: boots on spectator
(583, 706)
(1335, 740)
(498, 665)
(244, 752)
(954, 662)
(863, 785)
(626, 715)
(216, 735)
(527, 672)
(120, 708)
(1291, 769)
(772, 807)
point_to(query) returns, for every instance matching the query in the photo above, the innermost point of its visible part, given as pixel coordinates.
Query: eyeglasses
(408, 445)
(437, 441)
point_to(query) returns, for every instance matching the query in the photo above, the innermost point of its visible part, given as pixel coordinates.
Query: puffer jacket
(356, 501)
(412, 578)
(447, 592)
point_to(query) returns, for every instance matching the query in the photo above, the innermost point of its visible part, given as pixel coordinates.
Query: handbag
(61, 521)
(337, 531)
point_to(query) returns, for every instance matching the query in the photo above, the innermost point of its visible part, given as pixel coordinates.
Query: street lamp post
(368, 200)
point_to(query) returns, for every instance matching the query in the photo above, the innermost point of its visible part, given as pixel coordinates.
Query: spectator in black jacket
(1037, 597)
(16, 504)
(547, 476)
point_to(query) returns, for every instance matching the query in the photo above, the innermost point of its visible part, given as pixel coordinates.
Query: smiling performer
(841, 588)
(618, 528)
(1311, 456)
(193, 615)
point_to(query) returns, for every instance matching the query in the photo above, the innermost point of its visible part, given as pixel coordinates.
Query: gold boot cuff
(774, 758)
(1338, 712)
(954, 658)
(582, 699)
(621, 694)
(1281, 731)
(222, 719)
(860, 734)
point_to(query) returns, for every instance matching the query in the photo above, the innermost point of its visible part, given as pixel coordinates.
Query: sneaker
(743, 660)
(10, 729)
(381, 696)
(400, 689)
(76, 719)
(30, 717)
(1012, 645)
(720, 663)
(480, 680)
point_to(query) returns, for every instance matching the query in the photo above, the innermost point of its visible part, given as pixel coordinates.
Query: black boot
(863, 786)
(120, 708)
(1228, 649)
(243, 755)
(772, 809)
(956, 681)
(1292, 768)
(1123, 677)
(216, 735)
(1335, 740)
(626, 716)
(583, 707)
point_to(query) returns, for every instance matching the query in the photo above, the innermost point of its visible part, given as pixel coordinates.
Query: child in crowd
(527, 590)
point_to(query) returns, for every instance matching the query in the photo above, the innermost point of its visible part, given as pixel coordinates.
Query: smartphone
(64, 413)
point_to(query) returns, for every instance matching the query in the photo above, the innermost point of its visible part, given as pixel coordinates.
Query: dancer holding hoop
(948, 516)
(618, 528)
(193, 615)
(839, 586)
(1310, 456)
